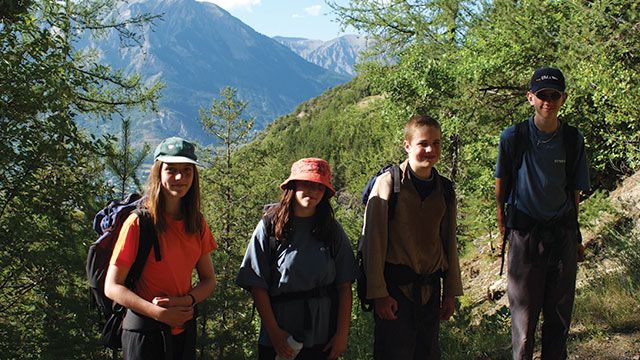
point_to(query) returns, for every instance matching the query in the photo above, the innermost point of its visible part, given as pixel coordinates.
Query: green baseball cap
(175, 150)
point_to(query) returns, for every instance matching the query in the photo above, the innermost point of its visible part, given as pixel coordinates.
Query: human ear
(407, 146)
(563, 99)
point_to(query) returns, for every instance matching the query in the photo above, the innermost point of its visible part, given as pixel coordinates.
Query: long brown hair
(279, 216)
(189, 204)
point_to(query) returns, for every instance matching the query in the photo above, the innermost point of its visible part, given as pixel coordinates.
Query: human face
(176, 179)
(547, 102)
(423, 149)
(308, 196)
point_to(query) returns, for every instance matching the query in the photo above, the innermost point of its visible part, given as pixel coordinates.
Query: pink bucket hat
(311, 169)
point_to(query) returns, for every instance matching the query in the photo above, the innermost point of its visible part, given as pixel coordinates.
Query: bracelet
(193, 299)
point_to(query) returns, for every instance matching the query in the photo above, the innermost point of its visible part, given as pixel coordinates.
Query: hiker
(540, 183)
(160, 323)
(299, 267)
(407, 250)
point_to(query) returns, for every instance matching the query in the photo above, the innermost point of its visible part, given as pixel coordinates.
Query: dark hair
(189, 204)
(417, 121)
(325, 227)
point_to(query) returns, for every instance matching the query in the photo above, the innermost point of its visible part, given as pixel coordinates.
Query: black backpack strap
(148, 239)
(519, 146)
(516, 146)
(570, 141)
(395, 189)
(449, 201)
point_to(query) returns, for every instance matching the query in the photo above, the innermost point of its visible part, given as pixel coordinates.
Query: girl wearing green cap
(299, 267)
(159, 323)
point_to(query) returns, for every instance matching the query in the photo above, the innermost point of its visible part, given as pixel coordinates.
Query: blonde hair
(189, 204)
(417, 121)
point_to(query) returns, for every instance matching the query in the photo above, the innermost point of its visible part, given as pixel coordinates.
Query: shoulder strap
(570, 142)
(148, 239)
(449, 198)
(267, 220)
(395, 189)
(519, 145)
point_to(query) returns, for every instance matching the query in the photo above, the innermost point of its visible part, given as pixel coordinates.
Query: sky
(311, 19)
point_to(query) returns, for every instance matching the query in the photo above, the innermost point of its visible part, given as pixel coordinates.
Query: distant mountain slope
(197, 49)
(339, 54)
(343, 125)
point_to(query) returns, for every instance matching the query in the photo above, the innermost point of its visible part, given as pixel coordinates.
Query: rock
(497, 290)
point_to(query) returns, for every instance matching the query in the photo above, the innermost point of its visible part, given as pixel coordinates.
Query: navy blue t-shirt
(541, 182)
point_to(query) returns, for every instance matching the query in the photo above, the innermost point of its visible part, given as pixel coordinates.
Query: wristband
(193, 299)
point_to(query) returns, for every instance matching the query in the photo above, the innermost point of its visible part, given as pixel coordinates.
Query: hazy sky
(311, 19)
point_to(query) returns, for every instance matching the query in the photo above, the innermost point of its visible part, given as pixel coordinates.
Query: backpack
(107, 224)
(394, 169)
(516, 145)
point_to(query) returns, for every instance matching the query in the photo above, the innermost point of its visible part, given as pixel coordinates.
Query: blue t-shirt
(302, 264)
(541, 179)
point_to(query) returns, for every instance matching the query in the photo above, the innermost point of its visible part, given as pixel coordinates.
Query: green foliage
(610, 299)
(51, 181)
(466, 337)
(124, 162)
(594, 208)
(609, 302)
(466, 63)
(228, 330)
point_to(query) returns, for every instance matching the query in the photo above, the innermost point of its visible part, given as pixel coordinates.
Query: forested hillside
(465, 63)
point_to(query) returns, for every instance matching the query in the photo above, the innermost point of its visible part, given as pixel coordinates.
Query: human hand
(386, 308)
(580, 252)
(164, 302)
(338, 345)
(279, 342)
(447, 307)
(176, 316)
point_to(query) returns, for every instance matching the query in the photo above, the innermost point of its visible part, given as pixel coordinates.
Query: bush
(611, 299)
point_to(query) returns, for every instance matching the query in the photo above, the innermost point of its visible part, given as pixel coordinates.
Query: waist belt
(317, 292)
(545, 237)
(138, 322)
(401, 275)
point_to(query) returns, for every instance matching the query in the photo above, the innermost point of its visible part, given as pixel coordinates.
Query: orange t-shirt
(180, 253)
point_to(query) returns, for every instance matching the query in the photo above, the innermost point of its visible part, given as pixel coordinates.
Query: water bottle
(295, 345)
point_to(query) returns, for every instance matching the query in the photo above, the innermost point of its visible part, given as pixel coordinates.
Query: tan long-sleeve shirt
(411, 238)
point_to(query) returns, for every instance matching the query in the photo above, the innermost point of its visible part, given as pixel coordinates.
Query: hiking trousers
(414, 334)
(313, 353)
(541, 278)
(147, 342)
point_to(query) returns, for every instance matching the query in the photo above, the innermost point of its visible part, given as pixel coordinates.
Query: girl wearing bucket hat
(299, 267)
(160, 323)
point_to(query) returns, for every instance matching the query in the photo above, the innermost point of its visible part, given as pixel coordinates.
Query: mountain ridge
(197, 48)
(339, 54)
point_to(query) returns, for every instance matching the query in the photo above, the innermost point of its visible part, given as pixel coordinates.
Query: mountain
(339, 54)
(196, 49)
